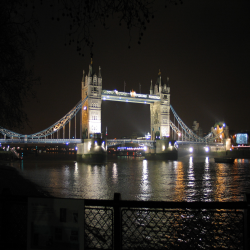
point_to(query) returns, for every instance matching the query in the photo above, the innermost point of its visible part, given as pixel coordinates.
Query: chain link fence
(117, 224)
(98, 228)
(182, 229)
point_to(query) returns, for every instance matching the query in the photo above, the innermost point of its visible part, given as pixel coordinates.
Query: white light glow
(207, 160)
(132, 93)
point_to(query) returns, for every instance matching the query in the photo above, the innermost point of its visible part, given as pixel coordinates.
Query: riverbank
(11, 182)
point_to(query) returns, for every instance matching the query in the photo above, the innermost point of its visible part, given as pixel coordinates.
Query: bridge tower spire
(151, 91)
(91, 110)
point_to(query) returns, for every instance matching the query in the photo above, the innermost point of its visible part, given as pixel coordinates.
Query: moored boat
(224, 160)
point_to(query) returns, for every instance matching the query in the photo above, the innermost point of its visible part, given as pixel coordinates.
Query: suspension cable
(50, 130)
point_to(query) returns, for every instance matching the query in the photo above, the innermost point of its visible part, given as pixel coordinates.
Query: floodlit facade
(91, 110)
(158, 99)
(160, 111)
(220, 131)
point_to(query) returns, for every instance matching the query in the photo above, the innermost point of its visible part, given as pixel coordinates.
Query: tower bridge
(158, 99)
(89, 110)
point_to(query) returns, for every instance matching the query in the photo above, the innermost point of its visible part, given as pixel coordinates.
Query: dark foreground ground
(14, 193)
(12, 182)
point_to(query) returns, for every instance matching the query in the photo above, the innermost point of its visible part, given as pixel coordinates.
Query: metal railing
(117, 224)
(167, 225)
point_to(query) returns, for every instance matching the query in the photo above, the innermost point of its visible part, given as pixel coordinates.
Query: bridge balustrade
(114, 142)
(59, 141)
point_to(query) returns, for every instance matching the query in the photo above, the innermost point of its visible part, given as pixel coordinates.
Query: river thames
(188, 179)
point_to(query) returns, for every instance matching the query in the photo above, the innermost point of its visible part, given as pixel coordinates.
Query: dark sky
(202, 46)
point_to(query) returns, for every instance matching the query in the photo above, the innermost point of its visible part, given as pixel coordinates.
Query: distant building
(197, 129)
(221, 131)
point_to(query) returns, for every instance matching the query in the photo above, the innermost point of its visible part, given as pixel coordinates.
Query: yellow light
(132, 93)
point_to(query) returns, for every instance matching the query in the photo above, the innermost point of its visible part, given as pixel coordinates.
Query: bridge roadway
(149, 143)
(40, 141)
(133, 97)
(110, 142)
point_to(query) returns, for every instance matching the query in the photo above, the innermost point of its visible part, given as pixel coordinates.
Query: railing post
(247, 222)
(117, 222)
(5, 216)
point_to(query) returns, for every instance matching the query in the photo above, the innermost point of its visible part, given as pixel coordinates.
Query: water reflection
(236, 179)
(66, 175)
(137, 179)
(76, 169)
(179, 183)
(115, 173)
(206, 182)
(145, 185)
(220, 188)
(191, 187)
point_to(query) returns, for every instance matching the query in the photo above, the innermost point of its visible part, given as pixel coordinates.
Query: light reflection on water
(145, 185)
(179, 187)
(206, 182)
(137, 179)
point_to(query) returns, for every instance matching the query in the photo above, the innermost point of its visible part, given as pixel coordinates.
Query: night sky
(202, 46)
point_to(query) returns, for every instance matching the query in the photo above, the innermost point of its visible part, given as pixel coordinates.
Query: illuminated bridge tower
(93, 148)
(160, 111)
(91, 110)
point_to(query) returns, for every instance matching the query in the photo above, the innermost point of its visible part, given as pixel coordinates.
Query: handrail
(167, 204)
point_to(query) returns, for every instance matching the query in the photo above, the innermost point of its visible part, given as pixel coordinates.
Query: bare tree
(18, 40)
(84, 15)
(17, 45)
